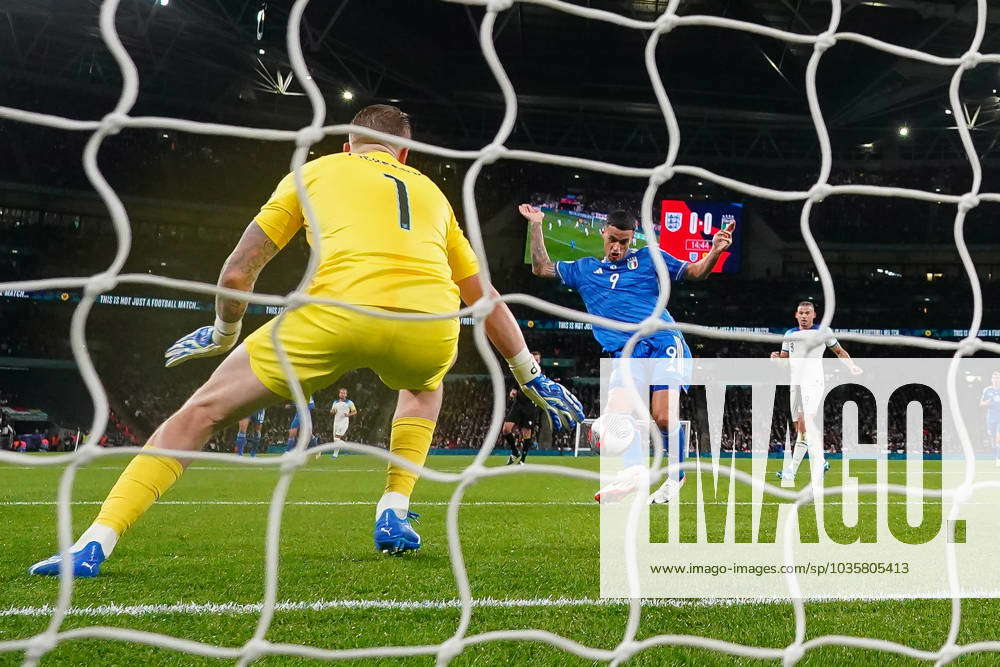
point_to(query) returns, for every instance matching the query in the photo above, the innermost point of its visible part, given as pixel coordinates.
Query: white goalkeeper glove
(560, 406)
(204, 342)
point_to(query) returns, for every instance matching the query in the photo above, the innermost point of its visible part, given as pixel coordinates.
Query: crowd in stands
(463, 424)
(52, 437)
(127, 343)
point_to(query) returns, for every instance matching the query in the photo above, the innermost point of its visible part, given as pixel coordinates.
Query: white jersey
(806, 359)
(341, 409)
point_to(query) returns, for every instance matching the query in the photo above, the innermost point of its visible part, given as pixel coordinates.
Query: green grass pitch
(524, 537)
(559, 241)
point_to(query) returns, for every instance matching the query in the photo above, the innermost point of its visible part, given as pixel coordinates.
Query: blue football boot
(86, 562)
(395, 536)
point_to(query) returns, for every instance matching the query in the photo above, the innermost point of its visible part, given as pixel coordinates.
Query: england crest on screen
(674, 221)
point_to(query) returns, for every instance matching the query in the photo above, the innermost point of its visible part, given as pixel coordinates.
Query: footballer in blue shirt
(623, 286)
(991, 401)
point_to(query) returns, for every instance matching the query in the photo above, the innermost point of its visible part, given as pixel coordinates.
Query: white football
(613, 433)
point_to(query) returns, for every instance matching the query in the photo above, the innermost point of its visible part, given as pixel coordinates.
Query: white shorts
(805, 399)
(340, 428)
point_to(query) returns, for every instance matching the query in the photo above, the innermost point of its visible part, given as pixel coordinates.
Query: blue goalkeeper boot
(86, 562)
(395, 536)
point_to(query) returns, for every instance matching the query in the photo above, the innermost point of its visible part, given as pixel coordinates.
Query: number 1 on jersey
(403, 201)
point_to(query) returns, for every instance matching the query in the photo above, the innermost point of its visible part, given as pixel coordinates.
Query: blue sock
(289, 444)
(682, 445)
(241, 441)
(254, 444)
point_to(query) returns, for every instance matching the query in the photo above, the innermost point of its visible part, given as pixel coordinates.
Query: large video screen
(686, 229)
(570, 235)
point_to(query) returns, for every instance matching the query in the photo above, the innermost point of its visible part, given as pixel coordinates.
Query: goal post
(581, 438)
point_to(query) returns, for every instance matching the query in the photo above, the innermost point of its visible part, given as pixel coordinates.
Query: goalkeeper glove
(560, 406)
(204, 342)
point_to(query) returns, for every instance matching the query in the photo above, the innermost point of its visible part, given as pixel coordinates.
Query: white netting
(37, 646)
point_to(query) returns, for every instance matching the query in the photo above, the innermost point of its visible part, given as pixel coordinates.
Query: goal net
(656, 31)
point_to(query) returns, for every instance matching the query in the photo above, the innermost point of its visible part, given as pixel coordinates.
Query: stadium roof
(583, 88)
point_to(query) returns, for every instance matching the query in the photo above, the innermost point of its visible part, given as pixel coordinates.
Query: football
(613, 433)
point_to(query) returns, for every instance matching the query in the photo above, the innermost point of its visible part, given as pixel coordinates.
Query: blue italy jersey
(991, 396)
(625, 290)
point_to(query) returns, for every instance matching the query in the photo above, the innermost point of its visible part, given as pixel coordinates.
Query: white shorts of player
(340, 427)
(805, 399)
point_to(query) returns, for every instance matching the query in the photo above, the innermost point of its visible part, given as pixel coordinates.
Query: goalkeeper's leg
(232, 390)
(412, 432)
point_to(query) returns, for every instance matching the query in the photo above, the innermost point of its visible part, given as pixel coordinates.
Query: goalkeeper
(389, 242)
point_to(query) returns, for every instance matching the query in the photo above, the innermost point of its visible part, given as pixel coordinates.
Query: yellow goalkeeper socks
(143, 481)
(410, 439)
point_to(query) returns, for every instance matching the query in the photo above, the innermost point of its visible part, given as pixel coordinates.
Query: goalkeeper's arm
(561, 407)
(240, 271)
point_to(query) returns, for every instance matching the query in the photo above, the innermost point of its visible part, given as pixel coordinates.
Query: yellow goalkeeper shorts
(324, 342)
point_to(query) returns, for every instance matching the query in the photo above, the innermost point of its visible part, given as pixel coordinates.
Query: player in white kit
(342, 410)
(807, 384)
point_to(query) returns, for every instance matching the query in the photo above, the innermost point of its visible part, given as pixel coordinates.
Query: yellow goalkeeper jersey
(388, 235)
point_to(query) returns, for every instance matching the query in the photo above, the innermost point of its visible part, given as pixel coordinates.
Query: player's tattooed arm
(541, 264)
(254, 250)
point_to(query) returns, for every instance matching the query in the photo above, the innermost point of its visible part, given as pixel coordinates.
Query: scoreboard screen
(686, 229)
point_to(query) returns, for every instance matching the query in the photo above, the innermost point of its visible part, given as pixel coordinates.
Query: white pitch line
(238, 608)
(234, 468)
(469, 503)
(246, 609)
(273, 468)
(332, 503)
